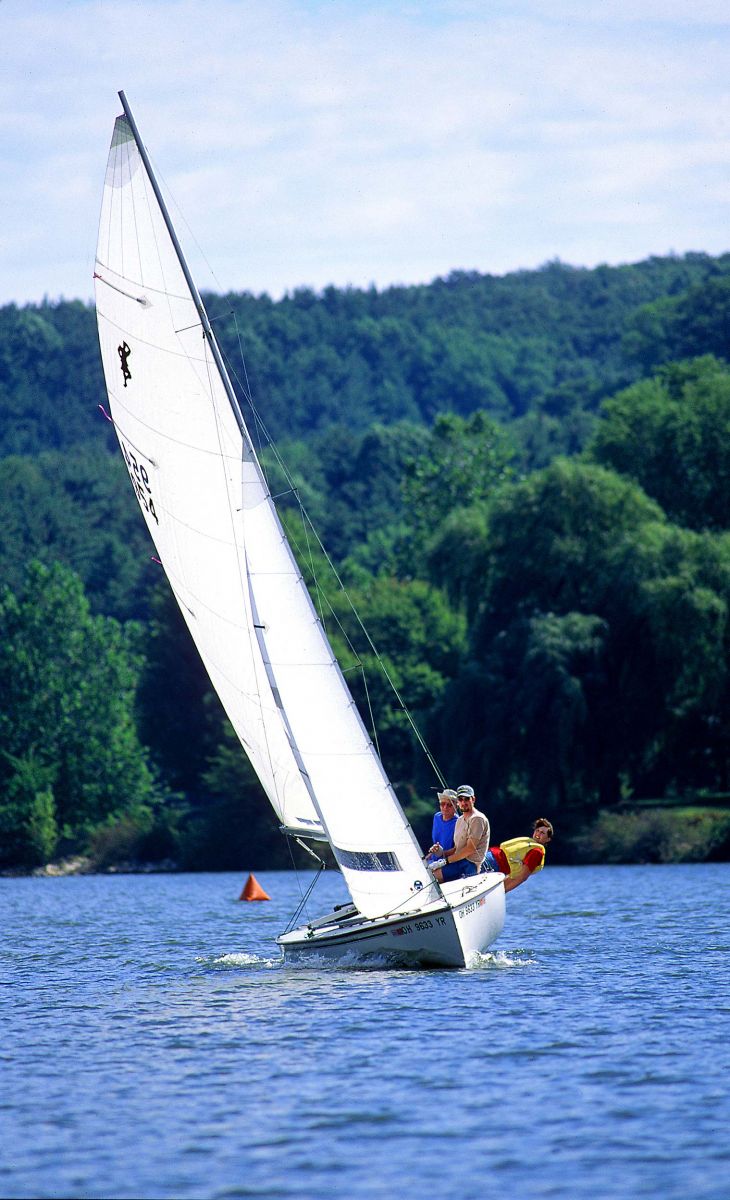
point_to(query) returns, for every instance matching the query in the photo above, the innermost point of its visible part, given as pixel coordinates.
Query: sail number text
(426, 923)
(140, 481)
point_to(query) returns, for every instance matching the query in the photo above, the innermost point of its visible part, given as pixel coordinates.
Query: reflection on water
(155, 1044)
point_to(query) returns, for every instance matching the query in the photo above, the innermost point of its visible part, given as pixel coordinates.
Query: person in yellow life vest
(519, 858)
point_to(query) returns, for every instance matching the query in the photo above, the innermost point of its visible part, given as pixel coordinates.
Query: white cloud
(358, 142)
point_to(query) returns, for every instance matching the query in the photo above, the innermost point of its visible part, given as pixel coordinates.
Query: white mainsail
(210, 513)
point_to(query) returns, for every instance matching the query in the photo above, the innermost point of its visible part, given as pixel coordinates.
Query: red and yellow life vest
(517, 848)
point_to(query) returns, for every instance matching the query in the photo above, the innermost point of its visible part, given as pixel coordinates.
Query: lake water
(154, 1046)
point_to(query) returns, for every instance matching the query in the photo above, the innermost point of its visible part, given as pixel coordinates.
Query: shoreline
(82, 865)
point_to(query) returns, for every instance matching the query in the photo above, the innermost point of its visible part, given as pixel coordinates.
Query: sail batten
(209, 510)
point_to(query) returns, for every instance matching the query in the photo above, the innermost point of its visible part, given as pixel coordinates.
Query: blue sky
(356, 142)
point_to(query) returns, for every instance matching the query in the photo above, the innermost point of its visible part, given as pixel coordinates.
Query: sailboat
(209, 510)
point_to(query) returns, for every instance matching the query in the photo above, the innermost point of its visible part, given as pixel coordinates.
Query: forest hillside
(524, 483)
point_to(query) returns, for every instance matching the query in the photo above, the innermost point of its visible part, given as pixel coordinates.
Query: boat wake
(240, 959)
(501, 959)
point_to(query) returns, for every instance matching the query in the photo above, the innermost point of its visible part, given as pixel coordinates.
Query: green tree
(695, 322)
(75, 507)
(520, 719)
(177, 709)
(28, 830)
(623, 618)
(464, 462)
(415, 649)
(67, 690)
(232, 826)
(671, 434)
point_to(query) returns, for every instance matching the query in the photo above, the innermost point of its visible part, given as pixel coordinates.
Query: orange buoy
(253, 890)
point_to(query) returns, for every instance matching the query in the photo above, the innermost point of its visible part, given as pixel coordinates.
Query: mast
(207, 328)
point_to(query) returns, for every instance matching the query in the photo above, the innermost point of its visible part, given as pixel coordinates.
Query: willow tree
(599, 647)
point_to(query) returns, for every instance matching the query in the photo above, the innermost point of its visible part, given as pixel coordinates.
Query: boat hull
(450, 932)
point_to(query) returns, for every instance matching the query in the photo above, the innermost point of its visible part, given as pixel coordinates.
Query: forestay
(209, 511)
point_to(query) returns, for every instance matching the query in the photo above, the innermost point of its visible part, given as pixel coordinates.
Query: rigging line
(380, 661)
(258, 431)
(370, 709)
(295, 917)
(326, 600)
(240, 351)
(296, 875)
(292, 491)
(323, 599)
(396, 909)
(244, 385)
(419, 737)
(181, 215)
(312, 567)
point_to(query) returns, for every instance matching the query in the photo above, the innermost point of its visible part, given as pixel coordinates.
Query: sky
(357, 142)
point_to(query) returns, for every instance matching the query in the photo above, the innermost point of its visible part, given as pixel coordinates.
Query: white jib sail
(208, 509)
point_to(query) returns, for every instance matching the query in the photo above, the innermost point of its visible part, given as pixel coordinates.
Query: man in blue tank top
(444, 823)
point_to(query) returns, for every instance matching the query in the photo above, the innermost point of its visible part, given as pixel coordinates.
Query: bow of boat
(449, 932)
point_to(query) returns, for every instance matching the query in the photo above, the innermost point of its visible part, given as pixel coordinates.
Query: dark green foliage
(234, 826)
(599, 653)
(28, 829)
(558, 628)
(463, 463)
(549, 342)
(142, 836)
(67, 728)
(350, 484)
(178, 716)
(76, 507)
(672, 435)
(695, 322)
(655, 836)
(50, 378)
(457, 556)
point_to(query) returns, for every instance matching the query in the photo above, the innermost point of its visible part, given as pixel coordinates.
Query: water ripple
(155, 1044)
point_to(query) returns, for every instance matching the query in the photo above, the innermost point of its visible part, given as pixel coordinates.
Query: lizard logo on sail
(124, 352)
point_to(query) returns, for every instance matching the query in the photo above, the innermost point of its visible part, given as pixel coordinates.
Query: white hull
(450, 932)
